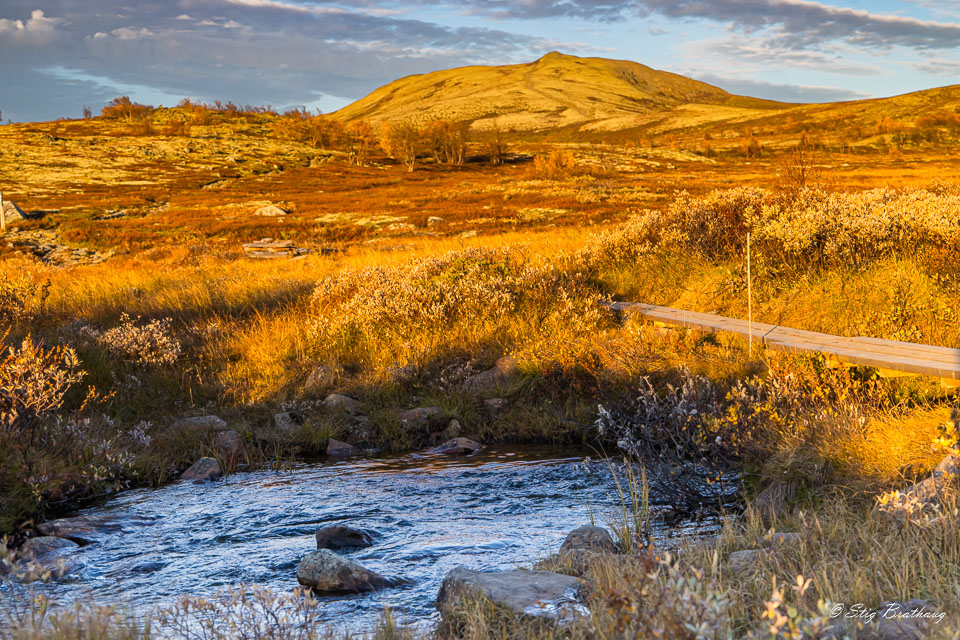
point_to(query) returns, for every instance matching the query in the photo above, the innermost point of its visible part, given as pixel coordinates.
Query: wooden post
(749, 297)
(3, 215)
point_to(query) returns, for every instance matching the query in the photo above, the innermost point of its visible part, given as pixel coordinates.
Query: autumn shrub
(407, 312)
(20, 299)
(122, 108)
(402, 141)
(151, 343)
(559, 164)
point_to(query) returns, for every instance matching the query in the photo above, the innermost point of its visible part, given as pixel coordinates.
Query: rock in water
(337, 448)
(326, 572)
(339, 536)
(271, 210)
(38, 548)
(203, 470)
(81, 529)
(457, 447)
(532, 593)
(589, 538)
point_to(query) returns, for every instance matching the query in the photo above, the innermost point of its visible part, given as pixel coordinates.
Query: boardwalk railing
(889, 356)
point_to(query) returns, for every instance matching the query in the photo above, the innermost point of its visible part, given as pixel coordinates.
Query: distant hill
(557, 91)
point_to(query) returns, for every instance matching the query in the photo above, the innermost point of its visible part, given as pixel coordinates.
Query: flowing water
(497, 510)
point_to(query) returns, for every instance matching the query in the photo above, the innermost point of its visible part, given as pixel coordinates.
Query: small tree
(360, 139)
(445, 141)
(496, 146)
(401, 141)
(123, 108)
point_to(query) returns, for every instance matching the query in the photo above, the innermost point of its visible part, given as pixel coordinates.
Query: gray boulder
(44, 558)
(457, 447)
(528, 593)
(227, 442)
(202, 422)
(743, 561)
(500, 374)
(203, 470)
(340, 402)
(81, 529)
(419, 419)
(339, 536)
(271, 211)
(326, 572)
(338, 448)
(589, 538)
(44, 546)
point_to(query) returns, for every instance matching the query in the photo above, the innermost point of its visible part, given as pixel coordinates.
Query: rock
(493, 407)
(950, 465)
(326, 572)
(400, 375)
(470, 233)
(419, 419)
(322, 376)
(44, 546)
(454, 430)
(203, 470)
(362, 430)
(287, 422)
(339, 536)
(271, 210)
(501, 373)
(781, 539)
(531, 593)
(341, 449)
(589, 538)
(743, 561)
(13, 212)
(457, 447)
(227, 442)
(433, 221)
(340, 402)
(202, 422)
(81, 529)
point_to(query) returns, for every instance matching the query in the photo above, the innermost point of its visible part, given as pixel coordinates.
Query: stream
(500, 509)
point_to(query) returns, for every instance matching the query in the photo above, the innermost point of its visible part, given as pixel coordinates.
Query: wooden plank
(889, 356)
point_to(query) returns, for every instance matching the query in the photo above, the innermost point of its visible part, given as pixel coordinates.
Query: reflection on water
(496, 510)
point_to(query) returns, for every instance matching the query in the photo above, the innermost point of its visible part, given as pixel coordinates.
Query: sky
(57, 56)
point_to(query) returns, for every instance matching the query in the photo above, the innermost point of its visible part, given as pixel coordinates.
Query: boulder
(589, 538)
(501, 373)
(337, 448)
(203, 470)
(227, 442)
(81, 529)
(271, 210)
(419, 419)
(362, 430)
(44, 546)
(340, 402)
(493, 407)
(339, 536)
(13, 212)
(286, 422)
(457, 447)
(774, 501)
(326, 572)
(530, 593)
(743, 561)
(202, 422)
(322, 376)
(433, 221)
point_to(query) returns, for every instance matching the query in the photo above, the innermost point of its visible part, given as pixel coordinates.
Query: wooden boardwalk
(892, 358)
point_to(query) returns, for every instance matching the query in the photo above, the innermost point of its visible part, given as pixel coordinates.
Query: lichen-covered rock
(530, 593)
(270, 211)
(202, 422)
(326, 572)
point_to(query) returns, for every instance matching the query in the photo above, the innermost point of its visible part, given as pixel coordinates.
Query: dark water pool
(498, 510)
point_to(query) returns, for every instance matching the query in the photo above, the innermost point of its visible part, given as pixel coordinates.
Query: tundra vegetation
(435, 251)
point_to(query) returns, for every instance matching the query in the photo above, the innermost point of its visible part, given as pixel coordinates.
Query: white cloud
(38, 29)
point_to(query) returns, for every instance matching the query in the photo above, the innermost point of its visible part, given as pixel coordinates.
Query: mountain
(556, 92)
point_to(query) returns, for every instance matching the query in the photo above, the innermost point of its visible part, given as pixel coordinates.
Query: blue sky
(59, 55)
